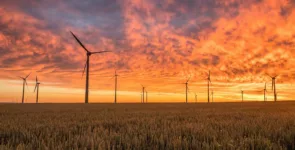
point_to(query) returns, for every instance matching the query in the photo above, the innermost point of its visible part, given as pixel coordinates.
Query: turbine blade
(188, 79)
(84, 69)
(79, 42)
(28, 75)
(35, 88)
(21, 77)
(100, 52)
(36, 79)
(27, 85)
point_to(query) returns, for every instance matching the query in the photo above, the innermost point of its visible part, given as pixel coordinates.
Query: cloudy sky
(158, 44)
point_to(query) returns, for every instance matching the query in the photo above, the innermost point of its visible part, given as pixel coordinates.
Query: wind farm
(151, 74)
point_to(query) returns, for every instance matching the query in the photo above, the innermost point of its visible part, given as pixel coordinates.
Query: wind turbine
(37, 87)
(242, 92)
(143, 89)
(24, 83)
(264, 90)
(186, 89)
(209, 82)
(273, 86)
(116, 75)
(196, 97)
(88, 54)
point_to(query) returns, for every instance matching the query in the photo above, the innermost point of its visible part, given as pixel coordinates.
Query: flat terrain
(256, 125)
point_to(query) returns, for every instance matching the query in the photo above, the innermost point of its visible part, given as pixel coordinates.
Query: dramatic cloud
(156, 43)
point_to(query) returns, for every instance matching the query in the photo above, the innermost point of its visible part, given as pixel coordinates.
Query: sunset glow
(155, 43)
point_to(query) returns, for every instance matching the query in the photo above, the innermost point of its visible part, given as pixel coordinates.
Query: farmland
(253, 125)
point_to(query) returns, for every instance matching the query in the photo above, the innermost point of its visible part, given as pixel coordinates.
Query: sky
(158, 44)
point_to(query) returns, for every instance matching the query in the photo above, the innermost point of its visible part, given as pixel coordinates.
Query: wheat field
(253, 125)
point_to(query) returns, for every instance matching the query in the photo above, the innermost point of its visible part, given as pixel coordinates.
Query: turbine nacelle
(273, 80)
(25, 78)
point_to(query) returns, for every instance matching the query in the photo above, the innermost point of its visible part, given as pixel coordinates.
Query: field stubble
(254, 125)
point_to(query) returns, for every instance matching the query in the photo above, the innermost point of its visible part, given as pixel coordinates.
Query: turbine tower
(88, 54)
(24, 83)
(242, 92)
(209, 82)
(143, 89)
(186, 89)
(37, 87)
(196, 97)
(273, 86)
(264, 90)
(116, 75)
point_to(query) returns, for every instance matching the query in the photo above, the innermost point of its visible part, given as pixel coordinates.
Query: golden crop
(254, 125)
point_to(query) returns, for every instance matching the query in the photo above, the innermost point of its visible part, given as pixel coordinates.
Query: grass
(254, 125)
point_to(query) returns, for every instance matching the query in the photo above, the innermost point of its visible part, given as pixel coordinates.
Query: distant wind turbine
(209, 82)
(116, 75)
(242, 92)
(88, 53)
(264, 90)
(186, 89)
(24, 83)
(273, 86)
(143, 90)
(196, 97)
(37, 87)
